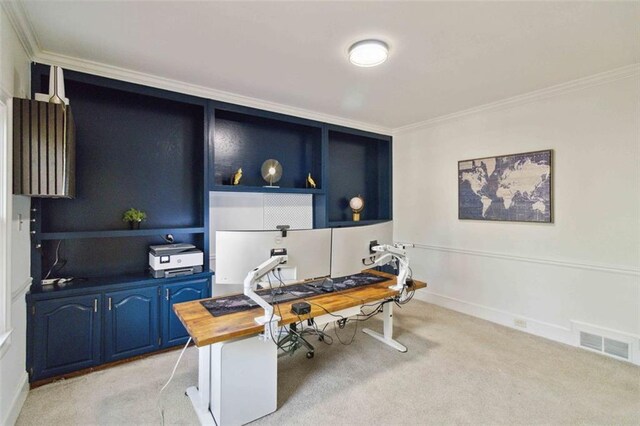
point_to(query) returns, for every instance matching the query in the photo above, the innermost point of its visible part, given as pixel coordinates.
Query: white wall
(585, 267)
(251, 211)
(14, 81)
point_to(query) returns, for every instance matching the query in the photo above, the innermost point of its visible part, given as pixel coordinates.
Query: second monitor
(350, 247)
(238, 252)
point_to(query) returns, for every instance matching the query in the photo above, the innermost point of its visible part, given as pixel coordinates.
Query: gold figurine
(237, 176)
(310, 182)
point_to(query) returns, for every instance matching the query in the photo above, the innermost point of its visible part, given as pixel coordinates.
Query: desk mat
(239, 302)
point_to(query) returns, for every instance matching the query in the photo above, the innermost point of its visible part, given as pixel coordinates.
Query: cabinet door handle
(167, 294)
(95, 305)
(109, 303)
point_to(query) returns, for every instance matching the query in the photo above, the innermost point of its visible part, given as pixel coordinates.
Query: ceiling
(444, 56)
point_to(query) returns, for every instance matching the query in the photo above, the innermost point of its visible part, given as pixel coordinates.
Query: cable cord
(342, 324)
(56, 261)
(175, 367)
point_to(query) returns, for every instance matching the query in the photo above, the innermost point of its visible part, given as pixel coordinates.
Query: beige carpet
(459, 370)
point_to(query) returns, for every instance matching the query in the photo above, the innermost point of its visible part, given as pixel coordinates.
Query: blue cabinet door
(131, 323)
(173, 332)
(66, 335)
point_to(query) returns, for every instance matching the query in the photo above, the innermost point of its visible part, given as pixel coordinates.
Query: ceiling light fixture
(368, 53)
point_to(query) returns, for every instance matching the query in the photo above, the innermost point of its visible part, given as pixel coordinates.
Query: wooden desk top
(206, 329)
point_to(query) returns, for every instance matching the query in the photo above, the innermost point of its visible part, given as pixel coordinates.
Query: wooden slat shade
(43, 149)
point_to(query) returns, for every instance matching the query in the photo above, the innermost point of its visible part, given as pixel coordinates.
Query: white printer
(174, 260)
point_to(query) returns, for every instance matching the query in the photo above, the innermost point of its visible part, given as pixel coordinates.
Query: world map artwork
(508, 188)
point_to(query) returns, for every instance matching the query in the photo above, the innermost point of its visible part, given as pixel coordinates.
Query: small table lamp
(357, 205)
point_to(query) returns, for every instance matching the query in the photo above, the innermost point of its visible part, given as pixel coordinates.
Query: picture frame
(508, 188)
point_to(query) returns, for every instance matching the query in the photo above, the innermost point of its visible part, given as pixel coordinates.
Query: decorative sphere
(356, 203)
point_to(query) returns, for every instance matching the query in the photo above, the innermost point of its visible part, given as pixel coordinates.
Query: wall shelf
(118, 233)
(114, 282)
(343, 223)
(241, 188)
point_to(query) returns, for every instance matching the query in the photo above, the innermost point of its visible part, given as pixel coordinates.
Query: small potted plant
(134, 217)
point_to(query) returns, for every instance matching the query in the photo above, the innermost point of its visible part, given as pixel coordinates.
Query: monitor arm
(251, 285)
(390, 252)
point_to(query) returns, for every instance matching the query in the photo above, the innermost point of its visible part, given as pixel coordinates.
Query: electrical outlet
(520, 323)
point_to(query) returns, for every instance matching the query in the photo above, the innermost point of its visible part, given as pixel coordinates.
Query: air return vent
(616, 348)
(605, 345)
(591, 341)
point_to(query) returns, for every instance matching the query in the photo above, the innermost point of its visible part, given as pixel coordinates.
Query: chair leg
(296, 338)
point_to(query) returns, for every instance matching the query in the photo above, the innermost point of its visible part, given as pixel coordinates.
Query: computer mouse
(327, 285)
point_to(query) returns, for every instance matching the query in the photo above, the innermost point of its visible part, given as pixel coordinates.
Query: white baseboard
(508, 319)
(539, 328)
(633, 340)
(20, 395)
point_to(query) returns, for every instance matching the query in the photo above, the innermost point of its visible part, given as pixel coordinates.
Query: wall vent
(591, 341)
(605, 345)
(616, 348)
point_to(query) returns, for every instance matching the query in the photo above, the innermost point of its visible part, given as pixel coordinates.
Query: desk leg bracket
(387, 337)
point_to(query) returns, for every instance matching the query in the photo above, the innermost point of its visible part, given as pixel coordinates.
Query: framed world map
(515, 187)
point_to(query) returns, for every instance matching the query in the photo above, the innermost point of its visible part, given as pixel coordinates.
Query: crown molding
(580, 83)
(21, 24)
(104, 70)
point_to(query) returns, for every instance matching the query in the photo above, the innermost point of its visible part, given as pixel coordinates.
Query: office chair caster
(309, 355)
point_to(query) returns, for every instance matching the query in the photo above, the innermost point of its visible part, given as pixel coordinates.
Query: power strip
(51, 281)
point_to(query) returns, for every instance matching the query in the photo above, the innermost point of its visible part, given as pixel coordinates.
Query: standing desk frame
(207, 331)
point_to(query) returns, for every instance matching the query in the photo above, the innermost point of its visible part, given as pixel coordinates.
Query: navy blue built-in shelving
(163, 152)
(136, 147)
(344, 162)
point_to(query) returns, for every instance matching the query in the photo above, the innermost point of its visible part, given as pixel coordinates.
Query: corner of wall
(20, 395)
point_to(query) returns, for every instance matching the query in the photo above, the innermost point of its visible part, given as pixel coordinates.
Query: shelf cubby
(89, 258)
(133, 150)
(245, 138)
(359, 163)
(137, 147)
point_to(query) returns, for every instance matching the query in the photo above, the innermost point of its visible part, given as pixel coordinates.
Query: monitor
(350, 246)
(238, 252)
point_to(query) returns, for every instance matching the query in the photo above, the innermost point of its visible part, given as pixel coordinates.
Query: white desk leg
(199, 395)
(387, 337)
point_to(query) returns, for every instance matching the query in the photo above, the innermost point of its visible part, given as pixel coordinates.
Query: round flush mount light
(368, 53)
